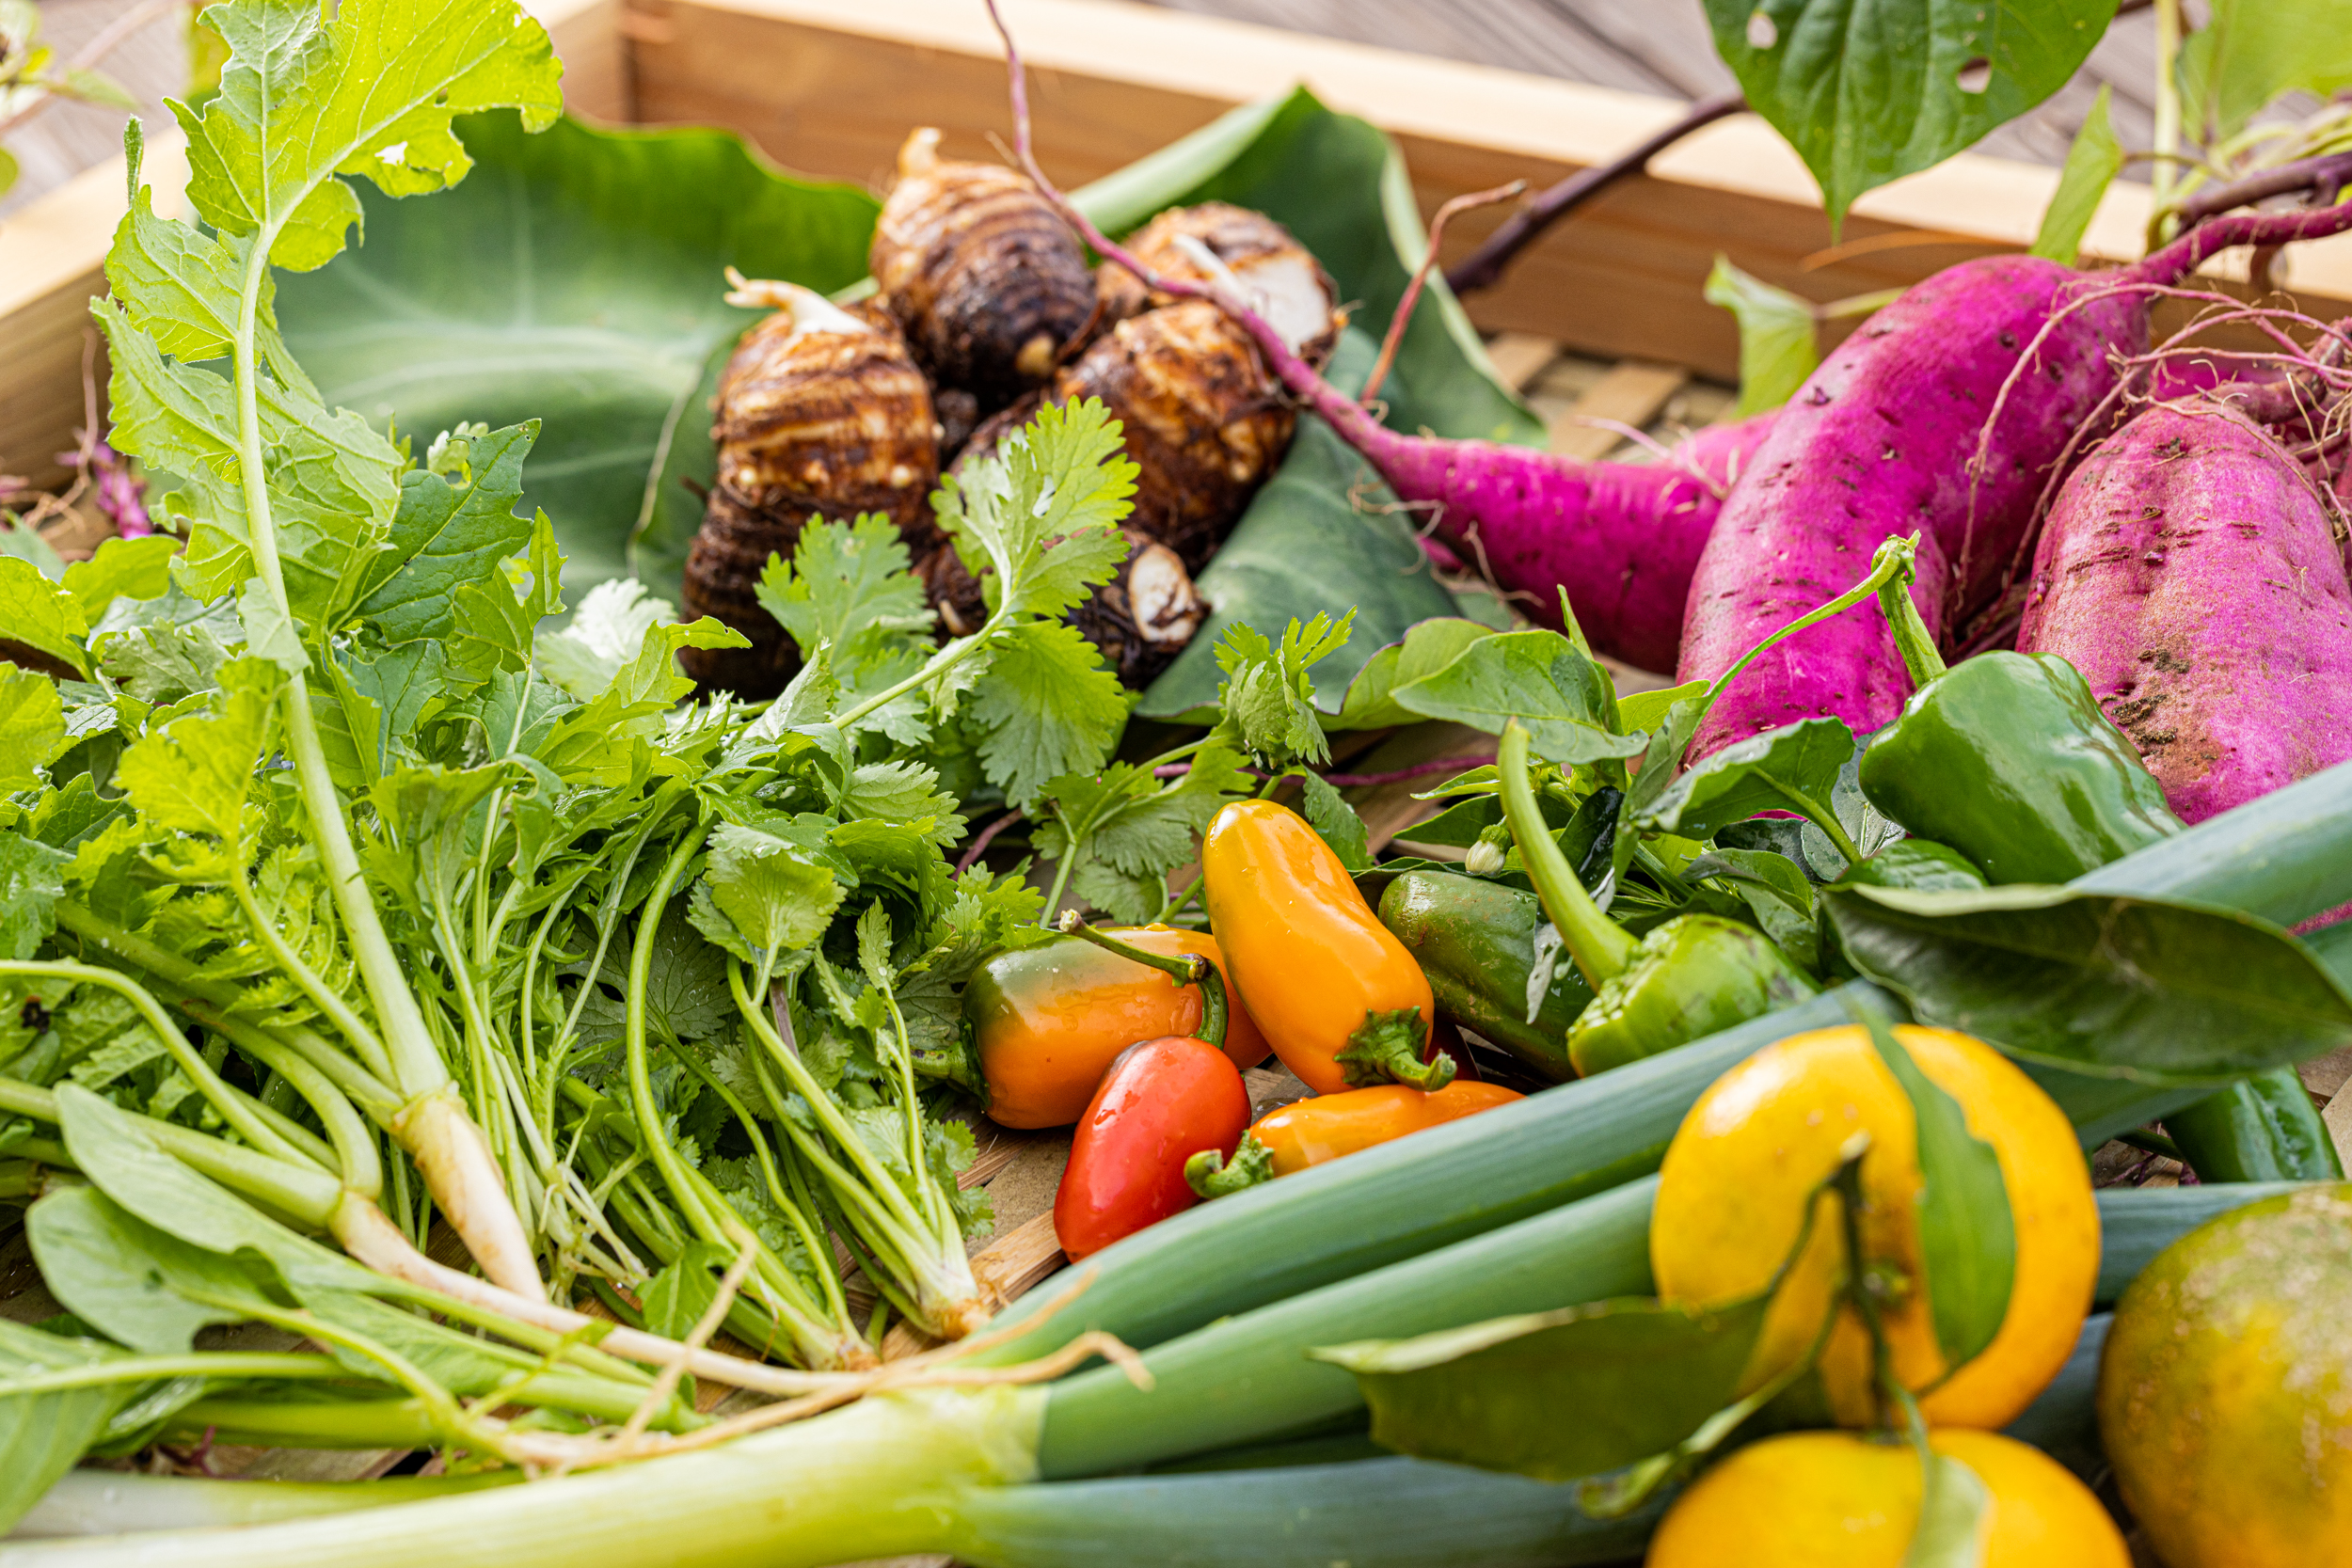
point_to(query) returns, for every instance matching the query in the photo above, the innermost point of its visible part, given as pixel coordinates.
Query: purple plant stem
(987, 835)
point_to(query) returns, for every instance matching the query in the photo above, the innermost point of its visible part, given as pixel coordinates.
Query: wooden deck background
(1653, 46)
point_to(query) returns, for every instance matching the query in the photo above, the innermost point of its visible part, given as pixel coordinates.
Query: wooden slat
(1632, 394)
(1520, 357)
(1007, 1265)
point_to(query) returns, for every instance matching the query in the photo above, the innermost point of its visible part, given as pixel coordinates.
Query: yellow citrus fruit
(1731, 1204)
(1835, 1500)
(2225, 1390)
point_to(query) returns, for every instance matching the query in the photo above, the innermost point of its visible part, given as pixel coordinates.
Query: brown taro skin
(2193, 573)
(1286, 283)
(1201, 420)
(1140, 620)
(813, 422)
(991, 286)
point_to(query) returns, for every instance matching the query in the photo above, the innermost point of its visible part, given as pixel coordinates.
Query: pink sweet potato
(2191, 572)
(1946, 415)
(1620, 538)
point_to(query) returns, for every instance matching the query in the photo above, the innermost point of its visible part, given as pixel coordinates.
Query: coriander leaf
(1267, 695)
(905, 792)
(444, 535)
(32, 727)
(1130, 900)
(1538, 677)
(848, 585)
(192, 774)
(1037, 522)
(1046, 706)
(40, 615)
(984, 913)
(778, 900)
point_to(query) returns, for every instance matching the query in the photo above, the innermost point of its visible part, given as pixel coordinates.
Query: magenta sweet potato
(1946, 415)
(1620, 538)
(1878, 441)
(2193, 573)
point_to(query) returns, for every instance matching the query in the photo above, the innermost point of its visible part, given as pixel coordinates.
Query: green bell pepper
(2007, 758)
(1689, 977)
(1476, 943)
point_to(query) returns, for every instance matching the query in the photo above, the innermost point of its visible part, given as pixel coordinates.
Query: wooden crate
(830, 88)
(1601, 319)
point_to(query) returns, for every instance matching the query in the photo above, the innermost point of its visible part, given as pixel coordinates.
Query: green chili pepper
(2259, 1128)
(2007, 758)
(1476, 942)
(1691, 977)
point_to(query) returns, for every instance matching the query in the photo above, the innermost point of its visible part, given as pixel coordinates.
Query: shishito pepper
(1048, 1020)
(1340, 999)
(1476, 943)
(2007, 758)
(1691, 977)
(1332, 1126)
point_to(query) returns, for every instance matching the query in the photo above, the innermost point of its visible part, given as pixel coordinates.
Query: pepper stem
(1600, 946)
(1209, 1174)
(1387, 1049)
(1189, 969)
(1912, 637)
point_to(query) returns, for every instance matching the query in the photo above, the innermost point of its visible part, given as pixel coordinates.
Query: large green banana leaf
(576, 277)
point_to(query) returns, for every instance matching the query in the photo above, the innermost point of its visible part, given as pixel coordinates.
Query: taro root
(1273, 273)
(822, 413)
(988, 281)
(1200, 419)
(1140, 620)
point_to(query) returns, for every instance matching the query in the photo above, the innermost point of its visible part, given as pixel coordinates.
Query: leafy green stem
(1602, 948)
(325, 997)
(876, 1177)
(1912, 638)
(235, 1109)
(1884, 566)
(303, 1367)
(182, 975)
